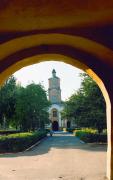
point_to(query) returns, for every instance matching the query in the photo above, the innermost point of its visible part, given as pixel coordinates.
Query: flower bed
(20, 141)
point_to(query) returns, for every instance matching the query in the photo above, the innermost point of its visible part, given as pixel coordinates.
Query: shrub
(70, 130)
(6, 132)
(91, 135)
(20, 141)
(47, 130)
(73, 129)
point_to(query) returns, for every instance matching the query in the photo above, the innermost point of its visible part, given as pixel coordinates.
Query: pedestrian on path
(51, 132)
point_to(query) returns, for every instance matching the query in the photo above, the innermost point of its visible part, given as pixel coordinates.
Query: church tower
(55, 99)
(54, 89)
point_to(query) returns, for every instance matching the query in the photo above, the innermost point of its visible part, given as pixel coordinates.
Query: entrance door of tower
(55, 126)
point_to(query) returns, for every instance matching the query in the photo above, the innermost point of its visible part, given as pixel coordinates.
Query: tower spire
(53, 73)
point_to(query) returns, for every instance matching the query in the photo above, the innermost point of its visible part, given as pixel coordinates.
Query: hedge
(90, 136)
(71, 130)
(6, 132)
(20, 141)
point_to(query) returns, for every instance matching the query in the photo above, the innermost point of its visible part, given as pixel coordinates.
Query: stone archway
(77, 51)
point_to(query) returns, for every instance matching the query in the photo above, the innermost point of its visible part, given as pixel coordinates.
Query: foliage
(87, 106)
(31, 107)
(6, 132)
(20, 141)
(87, 130)
(91, 135)
(7, 101)
(70, 129)
(23, 108)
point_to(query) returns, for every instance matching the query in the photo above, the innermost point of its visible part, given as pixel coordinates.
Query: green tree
(87, 105)
(31, 107)
(7, 101)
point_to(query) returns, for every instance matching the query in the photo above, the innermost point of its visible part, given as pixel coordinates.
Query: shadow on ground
(58, 141)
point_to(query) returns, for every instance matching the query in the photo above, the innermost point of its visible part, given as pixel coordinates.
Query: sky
(41, 72)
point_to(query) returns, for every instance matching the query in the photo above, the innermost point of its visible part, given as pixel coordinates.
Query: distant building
(55, 99)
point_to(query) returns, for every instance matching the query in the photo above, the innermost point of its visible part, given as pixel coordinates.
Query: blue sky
(69, 76)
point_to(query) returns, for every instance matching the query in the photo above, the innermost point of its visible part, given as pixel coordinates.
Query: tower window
(54, 113)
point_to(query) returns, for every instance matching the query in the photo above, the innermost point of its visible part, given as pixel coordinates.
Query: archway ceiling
(91, 19)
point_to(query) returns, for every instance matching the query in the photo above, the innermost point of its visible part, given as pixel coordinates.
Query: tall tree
(87, 105)
(31, 107)
(7, 101)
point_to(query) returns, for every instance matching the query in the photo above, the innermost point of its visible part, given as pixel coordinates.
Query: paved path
(61, 157)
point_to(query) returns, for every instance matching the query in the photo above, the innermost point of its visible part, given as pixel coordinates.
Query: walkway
(61, 157)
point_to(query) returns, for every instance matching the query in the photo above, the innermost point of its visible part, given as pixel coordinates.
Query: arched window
(54, 113)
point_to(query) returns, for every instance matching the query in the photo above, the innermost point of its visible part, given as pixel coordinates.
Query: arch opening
(75, 63)
(55, 126)
(99, 51)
